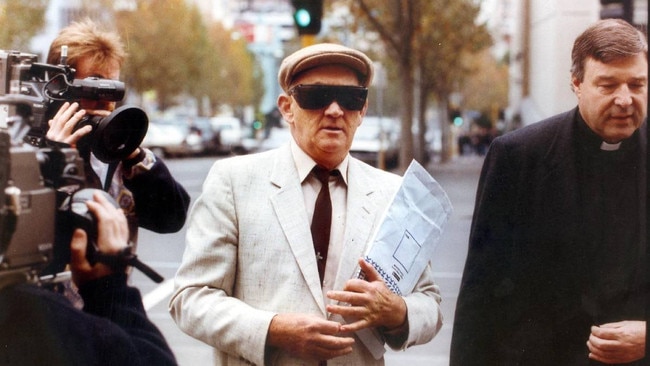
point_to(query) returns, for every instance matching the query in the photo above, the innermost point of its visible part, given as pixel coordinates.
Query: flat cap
(324, 54)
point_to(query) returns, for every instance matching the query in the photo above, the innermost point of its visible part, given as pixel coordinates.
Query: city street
(163, 252)
(229, 77)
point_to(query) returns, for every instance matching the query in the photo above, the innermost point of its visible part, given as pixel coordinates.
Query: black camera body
(35, 224)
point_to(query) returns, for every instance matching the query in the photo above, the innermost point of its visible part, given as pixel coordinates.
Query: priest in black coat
(556, 266)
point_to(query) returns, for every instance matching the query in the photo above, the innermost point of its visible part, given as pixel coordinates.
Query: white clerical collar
(610, 147)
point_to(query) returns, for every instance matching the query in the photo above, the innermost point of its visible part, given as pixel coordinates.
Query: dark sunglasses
(318, 96)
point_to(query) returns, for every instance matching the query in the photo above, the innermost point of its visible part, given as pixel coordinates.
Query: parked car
(172, 137)
(229, 130)
(278, 136)
(210, 140)
(377, 135)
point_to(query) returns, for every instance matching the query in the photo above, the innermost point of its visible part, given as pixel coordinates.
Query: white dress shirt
(338, 193)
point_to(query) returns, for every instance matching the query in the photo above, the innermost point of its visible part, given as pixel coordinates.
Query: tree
(447, 43)
(232, 76)
(487, 90)
(174, 52)
(428, 39)
(396, 22)
(21, 20)
(165, 40)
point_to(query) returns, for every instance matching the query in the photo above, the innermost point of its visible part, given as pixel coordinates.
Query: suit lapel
(362, 215)
(289, 206)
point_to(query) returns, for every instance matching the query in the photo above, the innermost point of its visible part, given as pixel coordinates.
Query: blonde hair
(86, 40)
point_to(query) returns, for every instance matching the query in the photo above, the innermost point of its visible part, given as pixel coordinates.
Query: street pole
(307, 40)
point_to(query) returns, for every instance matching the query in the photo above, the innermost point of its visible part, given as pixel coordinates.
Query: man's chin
(619, 134)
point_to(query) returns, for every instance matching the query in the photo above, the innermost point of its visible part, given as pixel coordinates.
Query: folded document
(407, 237)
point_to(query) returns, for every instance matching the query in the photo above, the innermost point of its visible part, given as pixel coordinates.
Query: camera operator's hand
(64, 122)
(112, 237)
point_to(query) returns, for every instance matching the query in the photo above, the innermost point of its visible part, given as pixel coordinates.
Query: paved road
(163, 252)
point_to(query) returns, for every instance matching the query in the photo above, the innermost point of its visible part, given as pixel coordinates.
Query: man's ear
(575, 84)
(284, 106)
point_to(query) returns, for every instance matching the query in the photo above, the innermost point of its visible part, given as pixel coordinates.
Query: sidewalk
(466, 164)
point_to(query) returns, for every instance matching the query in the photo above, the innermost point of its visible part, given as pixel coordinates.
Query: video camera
(38, 90)
(42, 193)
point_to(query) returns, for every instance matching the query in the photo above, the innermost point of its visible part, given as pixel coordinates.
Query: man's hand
(66, 119)
(308, 337)
(370, 302)
(112, 237)
(615, 343)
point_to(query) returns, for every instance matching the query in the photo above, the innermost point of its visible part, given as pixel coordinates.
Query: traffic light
(455, 117)
(307, 15)
(620, 9)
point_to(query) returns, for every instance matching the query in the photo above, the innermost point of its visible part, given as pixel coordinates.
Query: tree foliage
(161, 39)
(446, 45)
(233, 75)
(486, 90)
(21, 20)
(429, 41)
(173, 52)
(396, 22)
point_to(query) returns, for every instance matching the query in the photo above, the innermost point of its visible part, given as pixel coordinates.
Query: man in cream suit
(249, 281)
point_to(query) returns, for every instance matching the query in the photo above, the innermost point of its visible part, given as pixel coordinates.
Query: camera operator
(40, 327)
(142, 185)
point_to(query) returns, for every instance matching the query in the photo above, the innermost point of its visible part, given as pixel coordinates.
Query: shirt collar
(610, 147)
(304, 163)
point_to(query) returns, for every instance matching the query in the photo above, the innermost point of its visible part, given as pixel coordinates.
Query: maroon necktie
(322, 220)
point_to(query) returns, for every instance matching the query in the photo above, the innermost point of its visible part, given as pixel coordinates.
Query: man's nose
(334, 109)
(623, 96)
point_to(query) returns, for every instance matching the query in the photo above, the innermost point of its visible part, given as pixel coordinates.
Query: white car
(377, 137)
(230, 133)
(278, 136)
(172, 138)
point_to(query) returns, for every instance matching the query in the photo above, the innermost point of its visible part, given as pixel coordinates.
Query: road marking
(160, 293)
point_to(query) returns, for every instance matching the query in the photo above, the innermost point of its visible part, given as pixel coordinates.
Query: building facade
(540, 55)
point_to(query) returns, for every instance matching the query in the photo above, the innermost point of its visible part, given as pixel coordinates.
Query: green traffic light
(303, 18)
(458, 121)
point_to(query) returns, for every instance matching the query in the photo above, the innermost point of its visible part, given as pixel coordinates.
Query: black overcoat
(520, 300)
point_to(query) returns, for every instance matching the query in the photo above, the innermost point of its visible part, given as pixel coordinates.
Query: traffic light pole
(307, 40)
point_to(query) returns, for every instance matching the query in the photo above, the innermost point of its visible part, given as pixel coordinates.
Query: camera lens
(116, 136)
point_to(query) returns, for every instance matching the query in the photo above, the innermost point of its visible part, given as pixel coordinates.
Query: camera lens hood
(116, 136)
